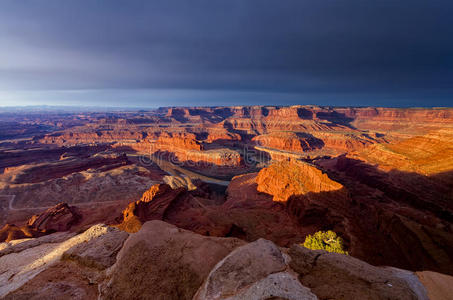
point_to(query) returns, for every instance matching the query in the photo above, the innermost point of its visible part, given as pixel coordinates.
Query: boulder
(439, 286)
(99, 253)
(338, 276)
(282, 285)
(161, 261)
(253, 271)
(17, 269)
(64, 280)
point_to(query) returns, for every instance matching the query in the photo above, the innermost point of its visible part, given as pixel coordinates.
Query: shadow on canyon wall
(378, 234)
(393, 218)
(430, 193)
(336, 118)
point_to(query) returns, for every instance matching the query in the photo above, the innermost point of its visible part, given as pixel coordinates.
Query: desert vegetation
(325, 240)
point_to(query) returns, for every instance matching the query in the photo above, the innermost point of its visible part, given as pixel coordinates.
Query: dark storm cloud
(392, 48)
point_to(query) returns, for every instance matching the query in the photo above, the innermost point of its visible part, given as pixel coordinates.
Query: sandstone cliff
(288, 178)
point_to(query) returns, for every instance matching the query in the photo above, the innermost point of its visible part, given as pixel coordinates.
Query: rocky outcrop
(12, 232)
(288, 178)
(338, 276)
(161, 261)
(282, 285)
(176, 182)
(261, 259)
(156, 190)
(304, 274)
(253, 271)
(151, 206)
(18, 268)
(58, 218)
(164, 262)
(19, 245)
(61, 280)
(99, 253)
(438, 286)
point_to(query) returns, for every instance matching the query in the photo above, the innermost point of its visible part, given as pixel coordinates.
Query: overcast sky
(226, 52)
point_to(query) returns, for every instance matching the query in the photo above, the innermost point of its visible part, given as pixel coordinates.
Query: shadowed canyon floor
(249, 183)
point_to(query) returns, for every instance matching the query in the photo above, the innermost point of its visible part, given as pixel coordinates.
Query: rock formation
(161, 261)
(263, 277)
(61, 217)
(58, 218)
(151, 206)
(12, 232)
(288, 178)
(20, 267)
(328, 273)
(164, 262)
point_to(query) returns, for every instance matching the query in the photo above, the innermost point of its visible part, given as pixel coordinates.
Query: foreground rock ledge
(162, 261)
(22, 264)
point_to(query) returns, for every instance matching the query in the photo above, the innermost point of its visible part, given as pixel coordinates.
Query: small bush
(325, 240)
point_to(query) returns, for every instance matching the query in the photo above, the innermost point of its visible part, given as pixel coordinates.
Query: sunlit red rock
(287, 178)
(152, 206)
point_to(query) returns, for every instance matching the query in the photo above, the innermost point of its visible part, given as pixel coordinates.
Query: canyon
(247, 182)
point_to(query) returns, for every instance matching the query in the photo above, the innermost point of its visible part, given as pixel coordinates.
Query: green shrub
(325, 240)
